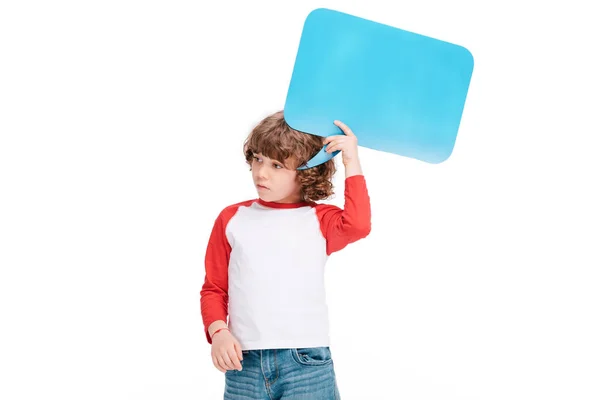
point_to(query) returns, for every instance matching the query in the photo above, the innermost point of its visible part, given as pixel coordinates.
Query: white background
(121, 128)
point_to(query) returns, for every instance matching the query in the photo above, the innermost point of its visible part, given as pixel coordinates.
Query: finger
(344, 128)
(216, 363)
(345, 141)
(222, 363)
(337, 141)
(227, 361)
(238, 349)
(235, 360)
(331, 138)
(335, 148)
(334, 145)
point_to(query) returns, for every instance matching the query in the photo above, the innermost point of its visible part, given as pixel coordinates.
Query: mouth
(262, 187)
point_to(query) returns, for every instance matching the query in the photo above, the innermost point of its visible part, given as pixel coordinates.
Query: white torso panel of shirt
(277, 293)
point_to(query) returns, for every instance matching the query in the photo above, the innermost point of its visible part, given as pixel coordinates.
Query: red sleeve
(214, 294)
(341, 227)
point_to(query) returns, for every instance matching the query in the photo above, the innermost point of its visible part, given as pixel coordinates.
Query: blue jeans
(283, 374)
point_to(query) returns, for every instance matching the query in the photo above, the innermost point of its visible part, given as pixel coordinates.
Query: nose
(261, 171)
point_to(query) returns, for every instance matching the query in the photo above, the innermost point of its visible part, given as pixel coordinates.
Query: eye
(256, 158)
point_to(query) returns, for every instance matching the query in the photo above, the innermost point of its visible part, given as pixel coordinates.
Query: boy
(265, 264)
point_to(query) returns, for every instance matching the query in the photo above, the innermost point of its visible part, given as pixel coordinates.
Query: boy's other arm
(216, 326)
(214, 296)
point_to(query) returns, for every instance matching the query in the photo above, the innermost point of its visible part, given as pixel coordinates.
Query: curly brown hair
(275, 139)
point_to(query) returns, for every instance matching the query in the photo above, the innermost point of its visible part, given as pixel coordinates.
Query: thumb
(238, 349)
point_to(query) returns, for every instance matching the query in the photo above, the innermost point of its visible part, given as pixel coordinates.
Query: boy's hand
(226, 351)
(347, 143)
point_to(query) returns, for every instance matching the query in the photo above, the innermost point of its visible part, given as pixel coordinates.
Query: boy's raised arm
(344, 226)
(350, 224)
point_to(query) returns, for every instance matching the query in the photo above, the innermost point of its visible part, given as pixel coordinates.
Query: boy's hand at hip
(226, 351)
(348, 145)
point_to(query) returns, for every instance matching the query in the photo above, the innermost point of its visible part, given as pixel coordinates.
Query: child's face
(274, 182)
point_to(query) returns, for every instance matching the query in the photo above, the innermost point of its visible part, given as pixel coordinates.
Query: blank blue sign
(399, 92)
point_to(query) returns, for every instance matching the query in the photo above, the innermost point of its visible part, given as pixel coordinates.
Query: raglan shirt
(265, 265)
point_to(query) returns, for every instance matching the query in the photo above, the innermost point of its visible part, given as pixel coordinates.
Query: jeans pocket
(312, 356)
